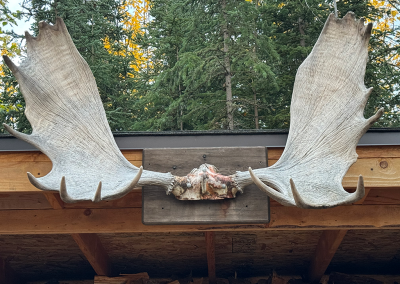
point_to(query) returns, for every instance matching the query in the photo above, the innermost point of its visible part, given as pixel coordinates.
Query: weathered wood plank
(128, 220)
(210, 248)
(15, 165)
(247, 208)
(94, 252)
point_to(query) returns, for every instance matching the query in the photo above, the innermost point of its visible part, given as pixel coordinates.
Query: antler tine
(270, 191)
(10, 64)
(97, 196)
(36, 182)
(297, 197)
(29, 37)
(359, 193)
(20, 135)
(376, 116)
(64, 194)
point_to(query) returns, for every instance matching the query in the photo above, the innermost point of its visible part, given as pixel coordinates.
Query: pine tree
(208, 64)
(298, 26)
(93, 24)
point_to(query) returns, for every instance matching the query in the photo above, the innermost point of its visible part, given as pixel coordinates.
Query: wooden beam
(378, 164)
(54, 199)
(15, 165)
(326, 248)
(391, 151)
(94, 252)
(377, 172)
(7, 274)
(129, 220)
(210, 247)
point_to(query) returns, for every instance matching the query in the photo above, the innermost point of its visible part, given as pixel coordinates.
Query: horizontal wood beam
(379, 166)
(15, 165)
(377, 172)
(19, 200)
(129, 220)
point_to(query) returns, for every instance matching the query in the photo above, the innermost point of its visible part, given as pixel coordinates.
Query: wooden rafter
(94, 252)
(54, 199)
(210, 247)
(89, 243)
(327, 246)
(129, 220)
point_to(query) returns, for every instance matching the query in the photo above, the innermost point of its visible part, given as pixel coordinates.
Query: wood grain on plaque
(251, 207)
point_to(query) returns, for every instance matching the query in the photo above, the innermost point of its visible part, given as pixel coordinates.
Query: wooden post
(210, 246)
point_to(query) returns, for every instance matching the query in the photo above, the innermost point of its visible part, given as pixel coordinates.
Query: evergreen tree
(208, 65)
(298, 26)
(91, 24)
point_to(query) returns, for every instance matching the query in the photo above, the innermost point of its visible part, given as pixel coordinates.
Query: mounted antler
(326, 122)
(69, 122)
(70, 126)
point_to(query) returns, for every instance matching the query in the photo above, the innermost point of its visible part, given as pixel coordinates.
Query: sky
(23, 26)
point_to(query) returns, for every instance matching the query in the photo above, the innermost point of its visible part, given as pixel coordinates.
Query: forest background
(166, 65)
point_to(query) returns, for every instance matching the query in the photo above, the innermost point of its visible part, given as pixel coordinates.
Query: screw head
(204, 156)
(174, 167)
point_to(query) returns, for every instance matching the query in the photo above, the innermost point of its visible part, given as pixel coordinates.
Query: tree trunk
(227, 65)
(254, 91)
(301, 29)
(179, 95)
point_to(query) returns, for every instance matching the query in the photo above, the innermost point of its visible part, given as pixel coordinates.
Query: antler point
(97, 196)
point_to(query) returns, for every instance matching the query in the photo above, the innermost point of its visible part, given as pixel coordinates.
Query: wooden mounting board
(251, 207)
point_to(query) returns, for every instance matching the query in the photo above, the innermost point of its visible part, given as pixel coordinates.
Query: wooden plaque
(251, 207)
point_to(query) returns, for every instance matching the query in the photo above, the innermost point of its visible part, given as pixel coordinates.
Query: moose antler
(70, 126)
(69, 122)
(326, 121)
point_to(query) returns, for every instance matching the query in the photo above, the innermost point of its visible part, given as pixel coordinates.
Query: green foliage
(186, 89)
(182, 86)
(89, 24)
